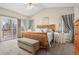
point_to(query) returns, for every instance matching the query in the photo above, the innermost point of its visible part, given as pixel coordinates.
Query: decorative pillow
(37, 30)
(44, 29)
(49, 30)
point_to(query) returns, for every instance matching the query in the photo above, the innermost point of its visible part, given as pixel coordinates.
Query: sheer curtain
(68, 25)
(26, 24)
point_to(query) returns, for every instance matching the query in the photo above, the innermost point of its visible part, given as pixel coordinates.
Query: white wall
(6, 12)
(76, 12)
(54, 15)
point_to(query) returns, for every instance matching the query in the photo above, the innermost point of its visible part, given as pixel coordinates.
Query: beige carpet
(10, 48)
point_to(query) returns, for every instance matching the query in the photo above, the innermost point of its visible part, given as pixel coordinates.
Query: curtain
(26, 24)
(30, 24)
(68, 23)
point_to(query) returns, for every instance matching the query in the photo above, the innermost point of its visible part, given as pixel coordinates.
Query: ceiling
(21, 8)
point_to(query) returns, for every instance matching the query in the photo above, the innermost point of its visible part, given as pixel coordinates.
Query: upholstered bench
(30, 45)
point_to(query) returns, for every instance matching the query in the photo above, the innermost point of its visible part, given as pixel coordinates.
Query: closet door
(76, 37)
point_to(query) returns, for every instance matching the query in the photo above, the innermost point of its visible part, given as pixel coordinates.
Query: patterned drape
(68, 23)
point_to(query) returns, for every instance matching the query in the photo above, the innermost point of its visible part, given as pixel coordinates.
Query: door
(7, 28)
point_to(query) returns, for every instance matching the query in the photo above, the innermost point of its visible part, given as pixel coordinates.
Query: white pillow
(37, 30)
(44, 29)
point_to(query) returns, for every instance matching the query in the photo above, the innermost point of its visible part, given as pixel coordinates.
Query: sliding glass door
(7, 28)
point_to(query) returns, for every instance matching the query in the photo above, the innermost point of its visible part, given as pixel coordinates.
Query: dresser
(76, 37)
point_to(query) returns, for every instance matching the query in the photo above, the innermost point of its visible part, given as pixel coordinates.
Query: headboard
(50, 26)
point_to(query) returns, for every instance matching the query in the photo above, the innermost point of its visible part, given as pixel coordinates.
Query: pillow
(44, 29)
(37, 30)
(49, 30)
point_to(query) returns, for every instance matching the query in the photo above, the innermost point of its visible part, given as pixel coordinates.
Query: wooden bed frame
(42, 37)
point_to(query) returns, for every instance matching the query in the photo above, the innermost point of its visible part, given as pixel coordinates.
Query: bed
(44, 38)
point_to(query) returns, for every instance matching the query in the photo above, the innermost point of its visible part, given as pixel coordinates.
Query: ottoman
(28, 44)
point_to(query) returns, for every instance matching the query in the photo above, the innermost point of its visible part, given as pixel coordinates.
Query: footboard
(42, 37)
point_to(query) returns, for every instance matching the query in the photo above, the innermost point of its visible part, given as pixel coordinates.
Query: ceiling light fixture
(29, 6)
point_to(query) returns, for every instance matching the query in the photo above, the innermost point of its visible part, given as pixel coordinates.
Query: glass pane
(7, 28)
